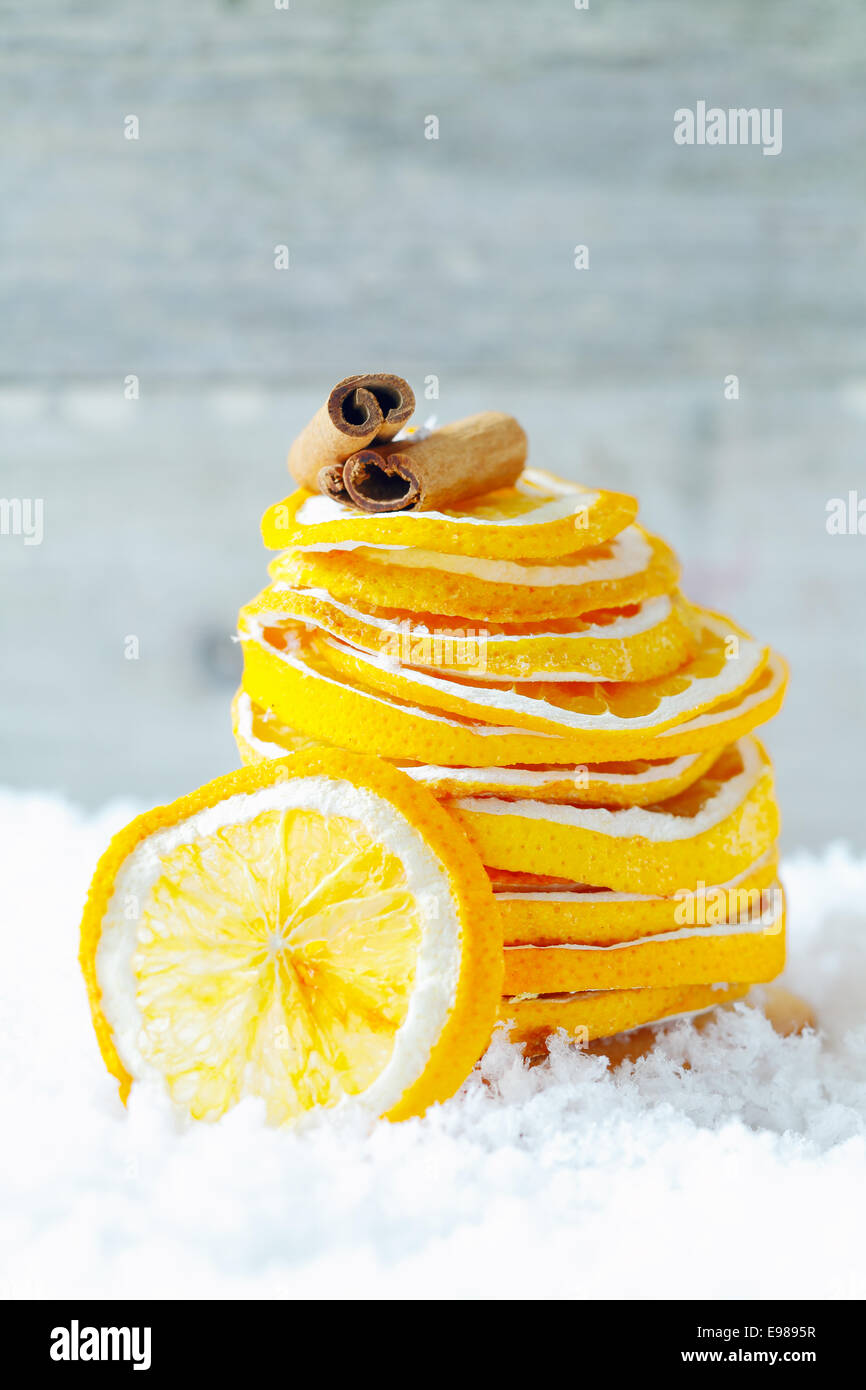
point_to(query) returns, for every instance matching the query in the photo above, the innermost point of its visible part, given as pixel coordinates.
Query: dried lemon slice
(628, 569)
(541, 516)
(285, 675)
(710, 832)
(539, 910)
(637, 643)
(314, 932)
(260, 734)
(601, 1013)
(751, 951)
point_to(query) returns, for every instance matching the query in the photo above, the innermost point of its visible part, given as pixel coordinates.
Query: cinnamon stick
(460, 460)
(374, 405)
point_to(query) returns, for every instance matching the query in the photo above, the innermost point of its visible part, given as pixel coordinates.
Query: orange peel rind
(531, 1020)
(750, 952)
(544, 911)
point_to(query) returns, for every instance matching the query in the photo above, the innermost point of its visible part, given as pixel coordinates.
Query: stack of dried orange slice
(529, 659)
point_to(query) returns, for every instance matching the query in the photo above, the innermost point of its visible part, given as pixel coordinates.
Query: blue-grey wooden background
(261, 127)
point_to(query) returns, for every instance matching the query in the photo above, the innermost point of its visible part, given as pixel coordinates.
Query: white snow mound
(741, 1175)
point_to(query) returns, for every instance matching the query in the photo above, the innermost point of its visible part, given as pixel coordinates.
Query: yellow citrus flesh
(542, 516)
(260, 735)
(626, 570)
(602, 1013)
(707, 678)
(313, 932)
(287, 678)
(751, 952)
(708, 833)
(544, 911)
(635, 644)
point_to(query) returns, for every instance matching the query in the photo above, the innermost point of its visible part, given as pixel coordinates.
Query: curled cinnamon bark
(463, 459)
(373, 405)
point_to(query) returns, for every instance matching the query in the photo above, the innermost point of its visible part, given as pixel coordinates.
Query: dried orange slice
(287, 677)
(539, 910)
(541, 516)
(315, 932)
(260, 734)
(632, 644)
(710, 832)
(750, 951)
(628, 569)
(724, 661)
(636, 783)
(601, 1013)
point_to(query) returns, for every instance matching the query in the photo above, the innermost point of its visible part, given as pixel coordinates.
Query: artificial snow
(739, 1175)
